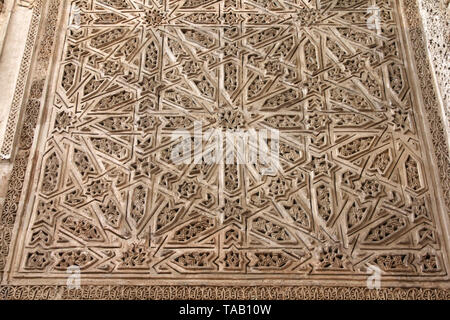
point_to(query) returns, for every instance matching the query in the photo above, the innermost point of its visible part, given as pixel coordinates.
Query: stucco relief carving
(352, 189)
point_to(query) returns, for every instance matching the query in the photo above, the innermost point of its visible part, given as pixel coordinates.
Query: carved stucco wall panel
(356, 186)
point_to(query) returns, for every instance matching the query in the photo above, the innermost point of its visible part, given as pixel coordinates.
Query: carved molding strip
(126, 292)
(31, 112)
(436, 20)
(16, 105)
(431, 102)
(217, 292)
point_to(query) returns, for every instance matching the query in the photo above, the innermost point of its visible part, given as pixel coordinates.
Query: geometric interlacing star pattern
(351, 189)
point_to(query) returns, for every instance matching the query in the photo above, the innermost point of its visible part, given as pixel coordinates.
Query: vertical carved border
(436, 22)
(207, 292)
(434, 114)
(15, 108)
(31, 109)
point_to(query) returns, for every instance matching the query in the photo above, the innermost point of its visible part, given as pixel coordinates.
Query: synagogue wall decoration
(354, 188)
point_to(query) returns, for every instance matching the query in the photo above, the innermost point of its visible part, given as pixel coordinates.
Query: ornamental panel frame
(17, 274)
